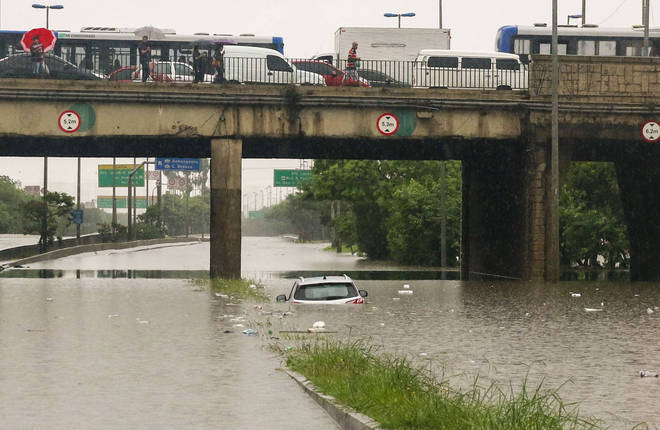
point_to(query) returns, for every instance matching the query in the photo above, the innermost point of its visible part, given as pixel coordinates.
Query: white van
(249, 64)
(443, 68)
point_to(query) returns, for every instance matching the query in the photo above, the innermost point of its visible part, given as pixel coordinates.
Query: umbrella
(215, 41)
(150, 32)
(46, 37)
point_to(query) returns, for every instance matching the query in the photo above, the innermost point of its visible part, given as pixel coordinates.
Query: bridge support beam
(638, 174)
(226, 157)
(493, 206)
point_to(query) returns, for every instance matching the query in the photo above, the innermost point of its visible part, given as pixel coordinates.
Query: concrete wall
(598, 79)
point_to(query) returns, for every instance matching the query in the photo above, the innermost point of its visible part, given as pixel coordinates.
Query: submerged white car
(324, 290)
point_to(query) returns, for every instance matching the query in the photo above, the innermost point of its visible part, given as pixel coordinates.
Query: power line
(615, 11)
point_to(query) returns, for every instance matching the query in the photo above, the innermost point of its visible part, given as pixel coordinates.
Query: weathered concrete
(502, 136)
(226, 208)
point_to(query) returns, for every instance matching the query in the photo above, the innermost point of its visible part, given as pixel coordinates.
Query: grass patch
(399, 396)
(235, 289)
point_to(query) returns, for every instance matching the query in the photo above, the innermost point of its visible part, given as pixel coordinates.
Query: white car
(169, 71)
(309, 78)
(324, 290)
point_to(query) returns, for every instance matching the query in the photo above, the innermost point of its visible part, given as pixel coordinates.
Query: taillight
(359, 301)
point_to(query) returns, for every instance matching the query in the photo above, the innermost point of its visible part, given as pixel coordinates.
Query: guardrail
(272, 69)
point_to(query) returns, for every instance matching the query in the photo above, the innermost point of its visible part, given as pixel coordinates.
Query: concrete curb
(346, 419)
(65, 252)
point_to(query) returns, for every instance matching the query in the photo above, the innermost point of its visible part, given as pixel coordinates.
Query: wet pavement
(592, 345)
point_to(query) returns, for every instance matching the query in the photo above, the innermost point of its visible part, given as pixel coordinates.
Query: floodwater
(89, 356)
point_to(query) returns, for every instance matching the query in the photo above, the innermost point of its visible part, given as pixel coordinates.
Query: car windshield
(327, 291)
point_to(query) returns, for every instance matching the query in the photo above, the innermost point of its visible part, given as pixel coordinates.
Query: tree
(48, 217)
(592, 227)
(11, 200)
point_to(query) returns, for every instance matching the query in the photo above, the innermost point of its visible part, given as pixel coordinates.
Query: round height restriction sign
(387, 124)
(69, 121)
(651, 131)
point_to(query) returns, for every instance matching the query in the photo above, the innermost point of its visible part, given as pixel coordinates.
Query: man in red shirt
(352, 64)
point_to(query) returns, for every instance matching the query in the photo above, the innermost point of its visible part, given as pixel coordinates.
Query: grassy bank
(399, 396)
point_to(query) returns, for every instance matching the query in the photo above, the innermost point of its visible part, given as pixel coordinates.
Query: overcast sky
(307, 27)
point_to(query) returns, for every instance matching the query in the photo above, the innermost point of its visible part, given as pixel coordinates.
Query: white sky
(307, 26)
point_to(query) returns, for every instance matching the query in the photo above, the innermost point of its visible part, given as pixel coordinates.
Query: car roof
(324, 280)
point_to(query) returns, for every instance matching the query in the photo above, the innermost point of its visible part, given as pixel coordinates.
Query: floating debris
(406, 286)
(113, 316)
(649, 311)
(49, 299)
(401, 292)
(647, 374)
(250, 332)
(593, 309)
(222, 296)
(396, 298)
(319, 324)
(576, 295)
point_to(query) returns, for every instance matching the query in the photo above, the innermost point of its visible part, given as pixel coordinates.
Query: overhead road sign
(105, 202)
(121, 174)
(186, 164)
(290, 178)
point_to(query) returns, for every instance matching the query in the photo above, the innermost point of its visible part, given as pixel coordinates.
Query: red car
(332, 75)
(124, 74)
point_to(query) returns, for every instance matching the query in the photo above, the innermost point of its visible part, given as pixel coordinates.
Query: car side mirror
(281, 298)
(363, 293)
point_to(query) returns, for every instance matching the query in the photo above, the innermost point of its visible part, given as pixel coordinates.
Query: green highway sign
(290, 178)
(121, 174)
(256, 214)
(105, 202)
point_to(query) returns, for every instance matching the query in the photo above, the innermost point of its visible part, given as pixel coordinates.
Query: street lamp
(399, 15)
(48, 8)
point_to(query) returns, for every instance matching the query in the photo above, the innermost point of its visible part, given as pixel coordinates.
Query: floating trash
(576, 295)
(141, 321)
(49, 299)
(113, 316)
(647, 374)
(406, 286)
(250, 332)
(593, 309)
(396, 298)
(319, 324)
(254, 287)
(222, 296)
(402, 292)
(649, 311)
(423, 354)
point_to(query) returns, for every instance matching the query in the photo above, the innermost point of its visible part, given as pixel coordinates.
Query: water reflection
(104, 274)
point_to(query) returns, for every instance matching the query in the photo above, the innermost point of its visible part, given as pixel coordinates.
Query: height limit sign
(387, 124)
(651, 131)
(69, 121)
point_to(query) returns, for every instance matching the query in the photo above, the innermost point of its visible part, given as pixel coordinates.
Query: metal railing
(275, 70)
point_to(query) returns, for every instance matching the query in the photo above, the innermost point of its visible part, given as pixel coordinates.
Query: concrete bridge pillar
(638, 174)
(226, 157)
(493, 203)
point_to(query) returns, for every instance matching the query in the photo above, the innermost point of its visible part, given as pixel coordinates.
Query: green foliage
(49, 217)
(235, 290)
(303, 215)
(105, 230)
(392, 391)
(12, 198)
(392, 209)
(591, 218)
(148, 225)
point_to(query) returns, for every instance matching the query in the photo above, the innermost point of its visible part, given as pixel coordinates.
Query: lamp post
(48, 8)
(399, 15)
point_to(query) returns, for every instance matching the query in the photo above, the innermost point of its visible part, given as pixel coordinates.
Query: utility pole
(44, 221)
(552, 267)
(645, 20)
(584, 12)
(440, 14)
(114, 195)
(78, 202)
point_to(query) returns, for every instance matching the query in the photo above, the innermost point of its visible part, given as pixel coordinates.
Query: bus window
(476, 63)
(443, 62)
(521, 46)
(586, 47)
(506, 64)
(607, 47)
(546, 48)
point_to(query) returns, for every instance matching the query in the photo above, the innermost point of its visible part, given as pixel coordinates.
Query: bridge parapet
(596, 78)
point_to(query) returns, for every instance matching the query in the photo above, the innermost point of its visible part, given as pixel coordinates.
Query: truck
(393, 44)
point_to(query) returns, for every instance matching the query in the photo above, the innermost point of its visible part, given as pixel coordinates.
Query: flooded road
(124, 352)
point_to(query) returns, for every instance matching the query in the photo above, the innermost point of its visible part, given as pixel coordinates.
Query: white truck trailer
(393, 44)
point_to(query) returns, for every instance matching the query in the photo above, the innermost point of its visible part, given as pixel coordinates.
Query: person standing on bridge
(352, 64)
(218, 63)
(145, 57)
(198, 65)
(38, 57)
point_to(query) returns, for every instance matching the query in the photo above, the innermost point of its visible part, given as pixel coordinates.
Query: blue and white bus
(573, 40)
(104, 49)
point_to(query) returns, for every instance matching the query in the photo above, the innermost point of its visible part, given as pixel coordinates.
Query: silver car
(324, 290)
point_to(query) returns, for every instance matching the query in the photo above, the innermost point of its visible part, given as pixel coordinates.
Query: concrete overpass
(502, 138)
